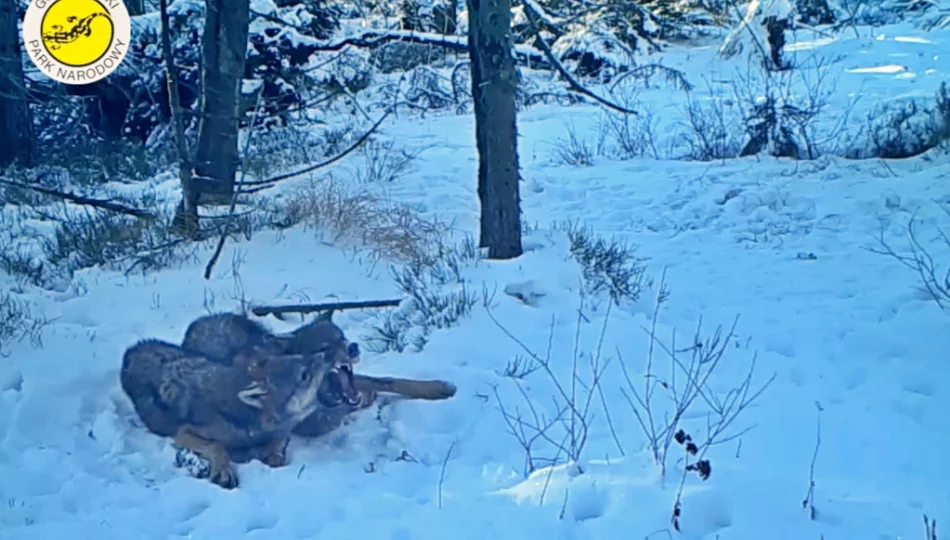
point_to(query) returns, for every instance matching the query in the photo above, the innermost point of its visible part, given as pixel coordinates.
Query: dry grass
(358, 216)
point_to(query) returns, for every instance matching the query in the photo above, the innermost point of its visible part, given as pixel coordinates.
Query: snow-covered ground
(781, 244)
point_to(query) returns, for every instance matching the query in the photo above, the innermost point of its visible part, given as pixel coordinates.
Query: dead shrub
(360, 217)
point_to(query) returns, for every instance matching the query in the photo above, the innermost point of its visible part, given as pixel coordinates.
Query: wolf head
(284, 387)
(323, 337)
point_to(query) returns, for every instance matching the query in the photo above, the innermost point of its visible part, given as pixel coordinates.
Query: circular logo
(77, 41)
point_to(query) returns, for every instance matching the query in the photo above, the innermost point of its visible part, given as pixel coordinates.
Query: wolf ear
(325, 317)
(253, 395)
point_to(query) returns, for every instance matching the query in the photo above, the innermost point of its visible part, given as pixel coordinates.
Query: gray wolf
(236, 407)
(221, 335)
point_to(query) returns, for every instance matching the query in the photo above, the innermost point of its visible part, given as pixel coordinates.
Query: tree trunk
(135, 7)
(16, 123)
(762, 30)
(185, 221)
(223, 54)
(445, 15)
(494, 82)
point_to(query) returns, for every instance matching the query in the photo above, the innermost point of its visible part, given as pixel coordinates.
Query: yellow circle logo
(77, 32)
(77, 41)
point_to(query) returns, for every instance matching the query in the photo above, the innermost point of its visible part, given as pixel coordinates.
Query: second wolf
(243, 405)
(222, 335)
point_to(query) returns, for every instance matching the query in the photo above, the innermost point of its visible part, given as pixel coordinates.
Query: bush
(609, 266)
(908, 128)
(436, 296)
(361, 219)
(18, 322)
(574, 151)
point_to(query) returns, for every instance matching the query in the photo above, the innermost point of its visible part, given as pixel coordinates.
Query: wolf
(221, 335)
(227, 408)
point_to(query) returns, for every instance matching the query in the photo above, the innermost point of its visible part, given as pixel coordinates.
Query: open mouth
(338, 388)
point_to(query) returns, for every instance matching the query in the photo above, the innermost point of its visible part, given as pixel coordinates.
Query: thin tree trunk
(494, 82)
(185, 221)
(135, 7)
(446, 17)
(16, 122)
(223, 55)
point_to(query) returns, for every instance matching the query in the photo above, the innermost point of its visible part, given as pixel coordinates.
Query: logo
(77, 41)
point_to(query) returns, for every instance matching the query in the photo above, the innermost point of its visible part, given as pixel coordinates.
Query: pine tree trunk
(16, 122)
(494, 82)
(223, 54)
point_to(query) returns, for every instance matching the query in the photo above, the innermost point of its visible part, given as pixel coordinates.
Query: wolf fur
(243, 404)
(223, 334)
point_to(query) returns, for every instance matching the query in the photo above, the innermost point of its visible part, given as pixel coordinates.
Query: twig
(809, 501)
(705, 356)
(186, 217)
(372, 38)
(104, 204)
(921, 262)
(445, 463)
(930, 528)
(324, 163)
(237, 190)
(279, 311)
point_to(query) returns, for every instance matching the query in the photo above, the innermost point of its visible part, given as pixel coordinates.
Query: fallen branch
(373, 38)
(104, 204)
(280, 311)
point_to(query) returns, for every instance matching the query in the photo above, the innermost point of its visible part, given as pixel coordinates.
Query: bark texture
(16, 122)
(494, 82)
(223, 55)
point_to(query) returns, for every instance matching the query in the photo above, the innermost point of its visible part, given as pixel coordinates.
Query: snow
(781, 244)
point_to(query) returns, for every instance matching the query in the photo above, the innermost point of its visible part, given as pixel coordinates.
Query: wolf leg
(409, 388)
(221, 472)
(274, 453)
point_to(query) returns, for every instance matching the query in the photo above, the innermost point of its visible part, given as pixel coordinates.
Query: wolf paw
(276, 459)
(275, 454)
(225, 477)
(442, 390)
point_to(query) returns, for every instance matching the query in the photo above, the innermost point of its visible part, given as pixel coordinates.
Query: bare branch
(809, 501)
(933, 282)
(559, 67)
(104, 204)
(270, 181)
(445, 463)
